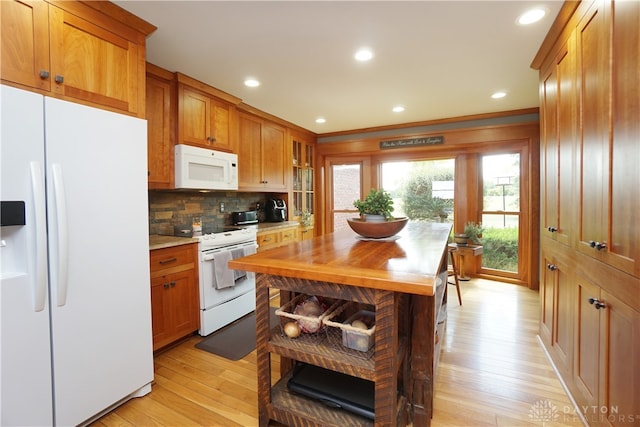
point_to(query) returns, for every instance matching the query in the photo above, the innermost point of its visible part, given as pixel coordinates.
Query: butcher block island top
(402, 281)
(408, 264)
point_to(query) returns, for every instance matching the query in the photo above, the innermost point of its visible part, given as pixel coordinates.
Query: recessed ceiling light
(398, 109)
(532, 15)
(363, 54)
(498, 95)
(251, 83)
(321, 120)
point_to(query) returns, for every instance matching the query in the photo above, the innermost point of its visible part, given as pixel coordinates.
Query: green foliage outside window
(419, 204)
(500, 248)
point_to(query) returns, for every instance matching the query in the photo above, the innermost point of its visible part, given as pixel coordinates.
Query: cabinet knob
(173, 284)
(264, 181)
(552, 267)
(166, 286)
(597, 245)
(211, 138)
(552, 229)
(44, 74)
(597, 303)
(59, 79)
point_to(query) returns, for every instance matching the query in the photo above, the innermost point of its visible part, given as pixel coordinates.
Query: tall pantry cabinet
(590, 232)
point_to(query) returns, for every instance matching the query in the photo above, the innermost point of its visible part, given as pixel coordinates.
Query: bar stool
(453, 271)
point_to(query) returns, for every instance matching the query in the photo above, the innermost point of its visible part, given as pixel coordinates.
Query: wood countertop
(408, 264)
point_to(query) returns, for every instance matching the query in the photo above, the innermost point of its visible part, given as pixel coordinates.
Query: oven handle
(209, 256)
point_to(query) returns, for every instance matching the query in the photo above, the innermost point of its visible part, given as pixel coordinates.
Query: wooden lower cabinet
(174, 293)
(305, 233)
(269, 239)
(556, 315)
(592, 335)
(607, 373)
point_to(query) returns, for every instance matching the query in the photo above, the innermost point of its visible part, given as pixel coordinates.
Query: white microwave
(203, 169)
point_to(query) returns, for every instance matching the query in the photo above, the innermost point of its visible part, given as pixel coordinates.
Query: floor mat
(237, 339)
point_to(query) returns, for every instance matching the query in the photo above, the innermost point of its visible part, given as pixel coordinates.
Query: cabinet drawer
(171, 260)
(289, 235)
(268, 240)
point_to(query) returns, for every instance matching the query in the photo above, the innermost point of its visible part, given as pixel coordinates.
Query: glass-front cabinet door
(303, 157)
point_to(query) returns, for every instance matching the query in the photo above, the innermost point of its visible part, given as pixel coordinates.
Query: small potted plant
(306, 219)
(474, 230)
(377, 206)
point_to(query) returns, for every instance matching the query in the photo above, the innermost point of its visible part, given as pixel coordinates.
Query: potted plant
(377, 203)
(306, 219)
(474, 230)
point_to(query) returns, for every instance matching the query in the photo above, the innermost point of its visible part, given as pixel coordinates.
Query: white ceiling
(439, 59)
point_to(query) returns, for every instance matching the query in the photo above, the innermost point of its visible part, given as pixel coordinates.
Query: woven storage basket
(308, 324)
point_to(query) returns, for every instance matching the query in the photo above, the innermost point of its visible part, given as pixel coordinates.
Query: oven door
(218, 283)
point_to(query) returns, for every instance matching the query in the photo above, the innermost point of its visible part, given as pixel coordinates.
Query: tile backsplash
(177, 209)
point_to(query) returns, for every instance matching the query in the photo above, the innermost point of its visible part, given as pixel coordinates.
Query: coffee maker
(275, 210)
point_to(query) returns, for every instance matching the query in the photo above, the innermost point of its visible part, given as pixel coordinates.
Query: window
(500, 211)
(421, 190)
(346, 187)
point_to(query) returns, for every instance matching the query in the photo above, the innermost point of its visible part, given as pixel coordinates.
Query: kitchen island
(403, 279)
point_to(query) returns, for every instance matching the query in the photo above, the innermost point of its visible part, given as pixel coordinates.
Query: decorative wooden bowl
(377, 230)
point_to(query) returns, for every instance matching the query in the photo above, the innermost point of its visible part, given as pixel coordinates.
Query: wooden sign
(411, 142)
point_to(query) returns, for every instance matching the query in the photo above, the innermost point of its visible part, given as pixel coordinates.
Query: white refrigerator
(75, 320)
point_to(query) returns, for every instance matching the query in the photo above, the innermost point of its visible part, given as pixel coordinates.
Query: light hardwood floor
(492, 372)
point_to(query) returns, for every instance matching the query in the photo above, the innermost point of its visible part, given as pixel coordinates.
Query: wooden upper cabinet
(207, 117)
(161, 112)
(76, 51)
(262, 154)
(624, 249)
(609, 178)
(274, 155)
(558, 98)
(593, 77)
(25, 43)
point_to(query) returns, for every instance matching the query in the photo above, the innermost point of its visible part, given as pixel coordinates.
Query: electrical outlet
(221, 207)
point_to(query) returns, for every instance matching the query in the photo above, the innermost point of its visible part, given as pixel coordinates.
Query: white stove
(225, 294)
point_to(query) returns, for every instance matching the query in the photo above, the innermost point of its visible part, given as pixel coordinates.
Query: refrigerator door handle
(63, 242)
(40, 220)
